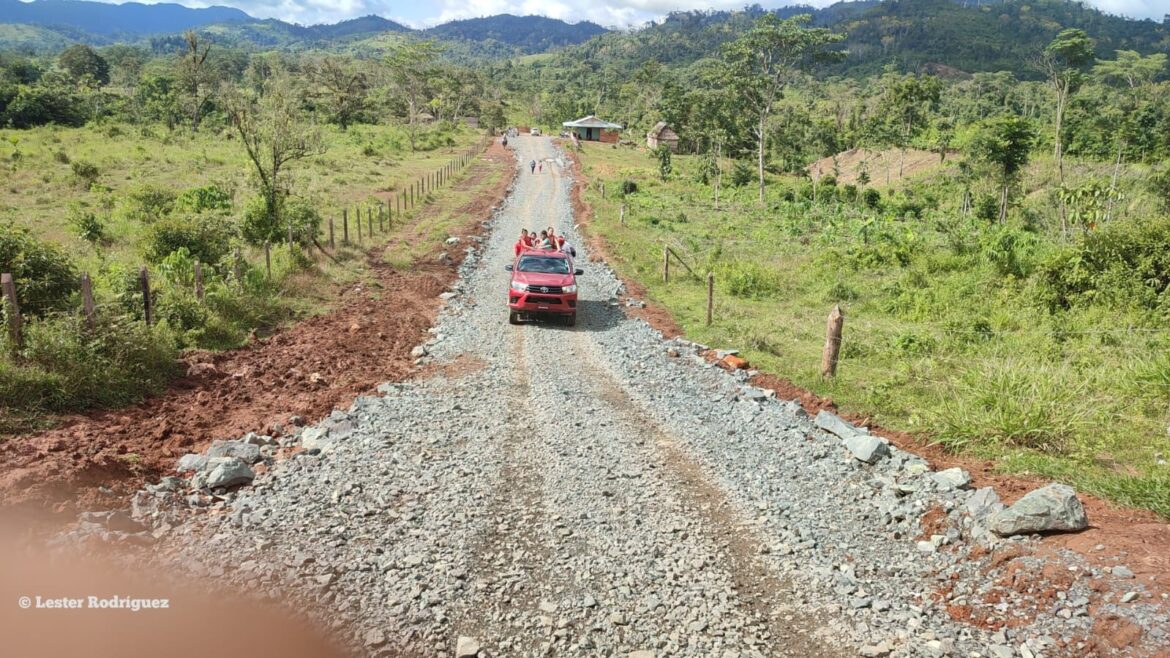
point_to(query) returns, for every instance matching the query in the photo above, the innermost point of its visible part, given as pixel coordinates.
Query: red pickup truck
(544, 283)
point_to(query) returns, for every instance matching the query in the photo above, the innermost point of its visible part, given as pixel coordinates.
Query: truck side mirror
(508, 267)
(578, 272)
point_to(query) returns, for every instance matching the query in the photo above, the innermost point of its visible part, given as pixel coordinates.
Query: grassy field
(41, 187)
(119, 176)
(946, 334)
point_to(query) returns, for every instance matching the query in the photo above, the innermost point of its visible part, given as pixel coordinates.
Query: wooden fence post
(147, 304)
(832, 342)
(370, 221)
(87, 305)
(345, 225)
(665, 264)
(623, 217)
(382, 215)
(331, 245)
(290, 235)
(357, 222)
(199, 281)
(14, 322)
(238, 267)
(710, 296)
(268, 258)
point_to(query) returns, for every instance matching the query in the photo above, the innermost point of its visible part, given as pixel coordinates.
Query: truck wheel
(513, 318)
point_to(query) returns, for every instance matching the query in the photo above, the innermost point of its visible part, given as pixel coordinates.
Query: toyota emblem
(544, 288)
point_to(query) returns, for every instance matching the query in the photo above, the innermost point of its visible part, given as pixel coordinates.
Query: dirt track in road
(307, 370)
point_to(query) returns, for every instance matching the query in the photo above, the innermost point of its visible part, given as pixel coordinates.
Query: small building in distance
(592, 129)
(661, 134)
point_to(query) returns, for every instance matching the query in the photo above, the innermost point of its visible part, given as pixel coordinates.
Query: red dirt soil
(93, 460)
(1138, 539)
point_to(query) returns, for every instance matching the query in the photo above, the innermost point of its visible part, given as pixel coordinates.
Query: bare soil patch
(884, 167)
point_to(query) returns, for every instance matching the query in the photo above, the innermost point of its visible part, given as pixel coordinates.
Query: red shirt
(519, 246)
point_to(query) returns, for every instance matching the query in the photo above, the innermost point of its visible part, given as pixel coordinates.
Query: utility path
(598, 491)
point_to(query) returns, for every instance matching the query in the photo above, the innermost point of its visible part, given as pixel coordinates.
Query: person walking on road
(532, 166)
(540, 166)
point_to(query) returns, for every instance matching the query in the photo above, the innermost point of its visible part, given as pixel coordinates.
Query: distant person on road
(532, 166)
(540, 166)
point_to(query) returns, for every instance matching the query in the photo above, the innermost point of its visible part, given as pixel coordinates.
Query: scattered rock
(867, 448)
(466, 647)
(245, 452)
(191, 462)
(952, 478)
(374, 638)
(1122, 571)
(1051, 508)
(834, 424)
(228, 472)
(879, 650)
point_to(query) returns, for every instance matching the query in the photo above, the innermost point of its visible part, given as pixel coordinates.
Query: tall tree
(274, 133)
(342, 87)
(84, 64)
(195, 75)
(409, 68)
(1005, 143)
(764, 61)
(1064, 62)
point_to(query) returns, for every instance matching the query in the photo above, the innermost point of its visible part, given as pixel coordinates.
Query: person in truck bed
(525, 242)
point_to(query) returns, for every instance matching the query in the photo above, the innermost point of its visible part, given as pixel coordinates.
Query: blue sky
(611, 13)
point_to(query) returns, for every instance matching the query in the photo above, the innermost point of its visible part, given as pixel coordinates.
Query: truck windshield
(544, 265)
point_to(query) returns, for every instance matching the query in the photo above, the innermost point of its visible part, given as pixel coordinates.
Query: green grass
(938, 340)
(53, 176)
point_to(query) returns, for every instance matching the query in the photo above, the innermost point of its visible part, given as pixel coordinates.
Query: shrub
(629, 187)
(44, 275)
(742, 174)
(1126, 263)
(871, 198)
(65, 367)
(201, 199)
(147, 203)
(259, 224)
(61, 157)
(85, 171)
(749, 279)
(205, 237)
(86, 225)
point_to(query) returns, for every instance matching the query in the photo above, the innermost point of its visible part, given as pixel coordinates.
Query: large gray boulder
(191, 462)
(228, 472)
(248, 453)
(866, 448)
(1051, 508)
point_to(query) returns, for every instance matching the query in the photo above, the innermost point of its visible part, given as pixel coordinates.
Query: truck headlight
(519, 287)
(571, 289)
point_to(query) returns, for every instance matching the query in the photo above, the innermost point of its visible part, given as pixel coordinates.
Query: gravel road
(601, 491)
